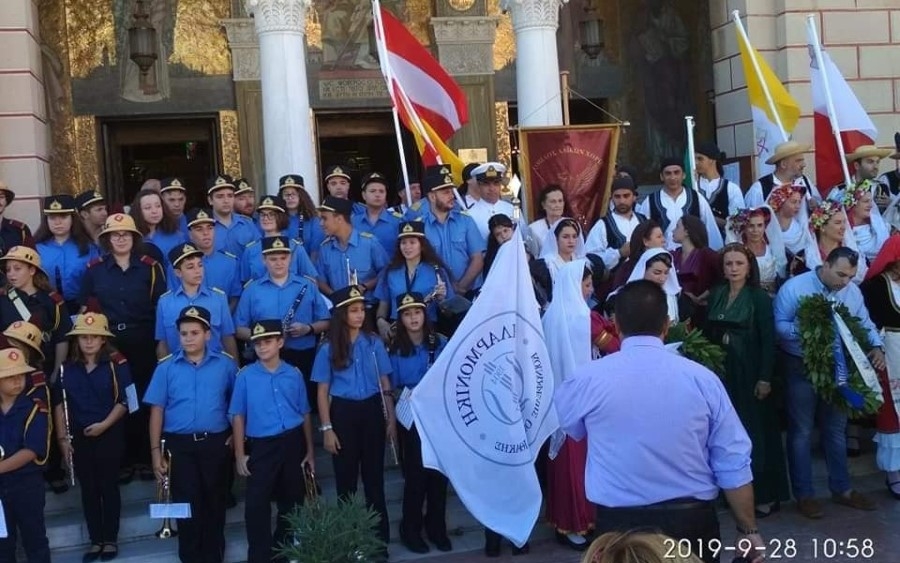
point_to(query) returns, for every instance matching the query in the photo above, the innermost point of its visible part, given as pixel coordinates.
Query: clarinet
(432, 348)
(70, 459)
(288, 318)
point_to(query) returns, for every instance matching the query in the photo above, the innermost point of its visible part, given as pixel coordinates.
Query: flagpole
(829, 101)
(389, 79)
(765, 87)
(692, 156)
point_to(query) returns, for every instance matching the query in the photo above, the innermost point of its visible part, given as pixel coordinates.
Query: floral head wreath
(738, 221)
(821, 214)
(854, 194)
(781, 194)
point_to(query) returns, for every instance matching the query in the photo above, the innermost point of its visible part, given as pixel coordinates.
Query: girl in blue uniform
(302, 214)
(156, 223)
(24, 434)
(95, 380)
(415, 267)
(65, 248)
(127, 284)
(413, 351)
(355, 402)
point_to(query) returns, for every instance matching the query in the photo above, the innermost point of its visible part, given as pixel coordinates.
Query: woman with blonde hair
(637, 547)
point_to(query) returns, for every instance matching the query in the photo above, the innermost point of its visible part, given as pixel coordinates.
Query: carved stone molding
(526, 14)
(279, 15)
(244, 45)
(466, 44)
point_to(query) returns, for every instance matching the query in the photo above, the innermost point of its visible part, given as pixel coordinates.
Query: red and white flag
(852, 120)
(433, 94)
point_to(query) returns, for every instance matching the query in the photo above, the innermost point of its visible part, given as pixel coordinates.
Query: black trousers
(23, 508)
(139, 347)
(360, 428)
(303, 360)
(681, 519)
(199, 477)
(421, 486)
(275, 470)
(97, 462)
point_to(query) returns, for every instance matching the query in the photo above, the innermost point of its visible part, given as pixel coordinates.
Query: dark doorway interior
(365, 143)
(136, 150)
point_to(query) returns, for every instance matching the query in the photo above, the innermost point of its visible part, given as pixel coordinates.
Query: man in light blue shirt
(684, 443)
(833, 279)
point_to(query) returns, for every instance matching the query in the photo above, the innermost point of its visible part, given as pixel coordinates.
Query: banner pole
(765, 87)
(829, 101)
(692, 163)
(564, 77)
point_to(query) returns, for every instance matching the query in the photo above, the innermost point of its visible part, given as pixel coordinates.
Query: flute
(70, 458)
(384, 407)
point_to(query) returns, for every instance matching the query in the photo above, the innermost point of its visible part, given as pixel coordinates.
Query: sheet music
(4, 533)
(403, 410)
(131, 397)
(172, 510)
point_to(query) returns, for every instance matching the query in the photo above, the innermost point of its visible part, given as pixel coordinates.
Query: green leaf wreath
(817, 334)
(695, 346)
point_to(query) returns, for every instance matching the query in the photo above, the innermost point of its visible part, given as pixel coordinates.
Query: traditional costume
(773, 262)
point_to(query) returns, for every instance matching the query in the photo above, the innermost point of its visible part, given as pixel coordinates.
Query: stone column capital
(244, 45)
(465, 43)
(272, 16)
(527, 14)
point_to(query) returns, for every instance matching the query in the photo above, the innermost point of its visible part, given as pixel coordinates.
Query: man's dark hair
(641, 309)
(851, 255)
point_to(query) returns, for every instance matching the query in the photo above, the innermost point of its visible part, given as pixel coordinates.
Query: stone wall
(862, 37)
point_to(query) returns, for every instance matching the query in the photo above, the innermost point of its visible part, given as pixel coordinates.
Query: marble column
(537, 64)
(24, 129)
(287, 121)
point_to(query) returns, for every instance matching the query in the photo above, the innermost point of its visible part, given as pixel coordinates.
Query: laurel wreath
(817, 334)
(696, 347)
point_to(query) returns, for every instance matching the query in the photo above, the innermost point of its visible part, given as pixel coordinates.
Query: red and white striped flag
(852, 120)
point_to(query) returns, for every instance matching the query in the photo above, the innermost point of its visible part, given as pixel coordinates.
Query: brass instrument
(164, 493)
(440, 283)
(352, 279)
(70, 458)
(381, 392)
(312, 487)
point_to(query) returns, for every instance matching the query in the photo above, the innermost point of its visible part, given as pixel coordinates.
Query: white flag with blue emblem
(485, 407)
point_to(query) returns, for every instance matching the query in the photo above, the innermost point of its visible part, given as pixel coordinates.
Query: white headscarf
(799, 223)
(813, 255)
(550, 248)
(773, 235)
(567, 329)
(671, 287)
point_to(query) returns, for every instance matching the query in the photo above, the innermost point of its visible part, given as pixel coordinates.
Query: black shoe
(491, 545)
(146, 473)
(524, 550)
(563, 539)
(415, 544)
(442, 543)
(773, 508)
(890, 488)
(126, 474)
(110, 552)
(92, 554)
(59, 486)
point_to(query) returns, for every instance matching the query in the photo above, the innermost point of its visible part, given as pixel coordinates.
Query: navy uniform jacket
(126, 297)
(194, 398)
(14, 233)
(25, 426)
(47, 313)
(91, 396)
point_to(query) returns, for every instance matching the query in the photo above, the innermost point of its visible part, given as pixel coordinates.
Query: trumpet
(70, 459)
(438, 286)
(352, 277)
(164, 493)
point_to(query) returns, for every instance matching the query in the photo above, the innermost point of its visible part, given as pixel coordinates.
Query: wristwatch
(326, 428)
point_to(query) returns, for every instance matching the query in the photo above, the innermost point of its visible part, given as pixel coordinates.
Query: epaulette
(251, 243)
(230, 255)
(166, 293)
(396, 214)
(38, 379)
(164, 358)
(17, 224)
(41, 405)
(248, 282)
(2, 291)
(241, 370)
(95, 261)
(217, 290)
(118, 358)
(148, 260)
(328, 239)
(57, 298)
(312, 279)
(227, 355)
(297, 241)
(415, 206)
(367, 235)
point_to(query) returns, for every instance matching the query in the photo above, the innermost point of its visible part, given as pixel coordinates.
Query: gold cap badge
(202, 215)
(337, 170)
(97, 194)
(268, 201)
(55, 206)
(187, 248)
(278, 244)
(258, 329)
(491, 172)
(408, 228)
(355, 293)
(445, 170)
(176, 183)
(289, 181)
(408, 299)
(193, 312)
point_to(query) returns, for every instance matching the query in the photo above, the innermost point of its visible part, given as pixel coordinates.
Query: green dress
(746, 330)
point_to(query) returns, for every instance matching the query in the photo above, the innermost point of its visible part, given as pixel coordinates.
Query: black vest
(718, 201)
(768, 184)
(615, 238)
(658, 212)
(893, 179)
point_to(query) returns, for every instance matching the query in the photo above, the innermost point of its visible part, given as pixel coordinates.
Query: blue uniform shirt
(92, 395)
(408, 371)
(270, 402)
(253, 267)
(366, 256)
(685, 439)
(65, 266)
(418, 210)
(194, 398)
(359, 380)
(166, 242)
(220, 269)
(173, 302)
(385, 229)
(264, 299)
(125, 296)
(183, 227)
(805, 285)
(236, 236)
(308, 229)
(394, 283)
(25, 427)
(455, 241)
